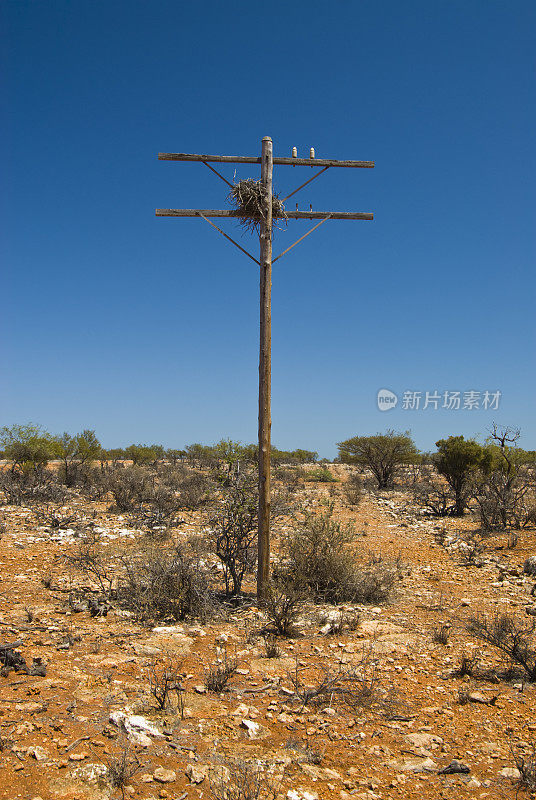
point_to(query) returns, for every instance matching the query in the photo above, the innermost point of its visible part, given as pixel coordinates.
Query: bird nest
(248, 197)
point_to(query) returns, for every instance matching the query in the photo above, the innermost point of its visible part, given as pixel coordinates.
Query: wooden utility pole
(265, 370)
(265, 262)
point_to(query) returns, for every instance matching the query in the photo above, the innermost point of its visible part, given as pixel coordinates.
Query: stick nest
(248, 197)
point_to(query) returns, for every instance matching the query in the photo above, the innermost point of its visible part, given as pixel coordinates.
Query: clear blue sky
(146, 329)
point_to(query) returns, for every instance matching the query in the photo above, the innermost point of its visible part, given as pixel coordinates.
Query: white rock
(39, 753)
(253, 728)
(163, 775)
(195, 774)
(510, 772)
(136, 726)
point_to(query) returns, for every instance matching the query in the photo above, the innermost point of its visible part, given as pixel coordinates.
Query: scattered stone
(426, 740)
(510, 772)
(478, 697)
(301, 794)
(77, 756)
(146, 650)
(417, 765)
(39, 753)
(137, 727)
(455, 767)
(195, 774)
(163, 775)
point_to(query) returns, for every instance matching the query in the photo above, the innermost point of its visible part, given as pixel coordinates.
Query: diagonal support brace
(215, 171)
(303, 184)
(231, 240)
(305, 235)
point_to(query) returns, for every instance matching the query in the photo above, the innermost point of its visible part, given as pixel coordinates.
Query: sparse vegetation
(353, 685)
(164, 675)
(121, 768)
(513, 639)
(283, 604)
(218, 675)
(383, 454)
(321, 561)
(526, 764)
(238, 779)
(164, 583)
(353, 489)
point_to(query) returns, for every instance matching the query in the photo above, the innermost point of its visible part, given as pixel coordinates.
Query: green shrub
(319, 559)
(319, 475)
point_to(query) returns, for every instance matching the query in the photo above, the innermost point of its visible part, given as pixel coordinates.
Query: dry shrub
(121, 768)
(237, 779)
(31, 487)
(517, 642)
(319, 560)
(353, 685)
(217, 675)
(130, 486)
(527, 769)
(282, 605)
(441, 635)
(92, 561)
(164, 582)
(353, 489)
(164, 675)
(468, 665)
(195, 491)
(271, 645)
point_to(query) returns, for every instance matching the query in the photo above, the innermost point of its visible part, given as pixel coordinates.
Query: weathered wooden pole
(265, 369)
(265, 262)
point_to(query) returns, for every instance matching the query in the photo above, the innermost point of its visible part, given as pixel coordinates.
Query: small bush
(90, 559)
(319, 475)
(354, 686)
(283, 604)
(237, 779)
(31, 487)
(195, 491)
(271, 646)
(527, 769)
(164, 678)
(160, 583)
(130, 486)
(468, 666)
(435, 497)
(353, 489)
(319, 560)
(441, 634)
(121, 768)
(233, 533)
(514, 640)
(217, 675)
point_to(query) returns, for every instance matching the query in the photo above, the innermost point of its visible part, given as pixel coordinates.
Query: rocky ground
(426, 732)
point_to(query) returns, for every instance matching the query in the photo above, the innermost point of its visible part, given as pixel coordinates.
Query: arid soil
(61, 732)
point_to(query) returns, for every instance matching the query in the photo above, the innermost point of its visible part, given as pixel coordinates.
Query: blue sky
(146, 329)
